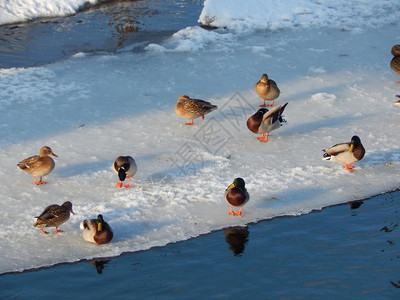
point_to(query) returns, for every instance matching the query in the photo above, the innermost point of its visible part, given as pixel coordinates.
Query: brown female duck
(188, 108)
(39, 165)
(53, 216)
(267, 89)
(395, 62)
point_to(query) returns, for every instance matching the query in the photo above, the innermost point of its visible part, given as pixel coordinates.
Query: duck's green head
(355, 141)
(238, 182)
(263, 110)
(99, 222)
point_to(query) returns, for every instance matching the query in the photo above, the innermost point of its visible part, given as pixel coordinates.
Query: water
(107, 27)
(342, 252)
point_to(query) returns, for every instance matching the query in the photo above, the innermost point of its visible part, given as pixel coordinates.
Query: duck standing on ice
(395, 62)
(53, 216)
(124, 166)
(236, 195)
(38, 165)
(190, 109)
(264, 121)
(346, 153)
(267, 89)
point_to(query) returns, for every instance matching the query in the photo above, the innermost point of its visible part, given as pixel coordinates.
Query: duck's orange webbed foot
(271, 104)
(239, 213)
(45, 232)
(190, 123)
(349, 167)
(119, 184)
(38, 182)
(264, 138)
(202, 117)
(128, 186)
(57, 230)
(263, 105)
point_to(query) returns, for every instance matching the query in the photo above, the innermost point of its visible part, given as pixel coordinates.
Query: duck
(267, 89)
(53, 216)
(236, 195)
(39, 165)
(124, 166)
(395, 62)
(97, 231)
(191, 109)
(264, 121)
(346, 153)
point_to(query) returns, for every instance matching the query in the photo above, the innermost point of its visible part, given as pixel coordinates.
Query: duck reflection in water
(356, 204)
(237, 238)
(99, 264)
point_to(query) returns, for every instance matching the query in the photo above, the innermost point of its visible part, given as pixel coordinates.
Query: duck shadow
(84, 168)
(337, 122)
(380, 157)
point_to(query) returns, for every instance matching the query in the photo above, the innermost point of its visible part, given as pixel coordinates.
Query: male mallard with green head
(125, 167)
(264, 121)
(346, 153)
(188, 108)
(96, 231)
(39, 165)
(236, 195)
(53, 216)
(267, 89)
(395, 62)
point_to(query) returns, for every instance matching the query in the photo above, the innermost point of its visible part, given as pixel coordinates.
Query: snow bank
(274, 14)
(14, 11)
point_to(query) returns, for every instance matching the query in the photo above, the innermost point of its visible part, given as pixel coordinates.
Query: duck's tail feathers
(326, 156)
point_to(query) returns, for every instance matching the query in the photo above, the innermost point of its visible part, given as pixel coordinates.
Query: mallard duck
(124, 166)
(96, 230)
(188, 108)
(38, 165)
(395, 62)
(264, 121)
(236, 195)
(346, 153)
(53, 216)
(267, 89)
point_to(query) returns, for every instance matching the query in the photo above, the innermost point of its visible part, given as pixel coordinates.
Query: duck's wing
(274, 115)
(338, 148)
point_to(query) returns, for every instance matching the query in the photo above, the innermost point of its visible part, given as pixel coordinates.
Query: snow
(92, 108)
(14, 11)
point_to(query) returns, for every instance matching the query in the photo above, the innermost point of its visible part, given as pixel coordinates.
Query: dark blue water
(106, 27)
(342, 252)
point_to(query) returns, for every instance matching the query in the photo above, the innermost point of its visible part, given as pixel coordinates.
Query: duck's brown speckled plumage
(346, 153)
(267, 89)
(38, 165)
(54, 215)
(236, 195)
(95, 234)
(395, 62)
(190, 109)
